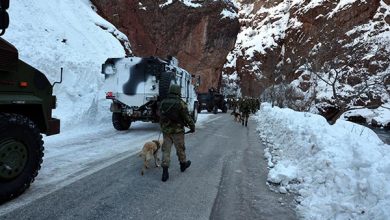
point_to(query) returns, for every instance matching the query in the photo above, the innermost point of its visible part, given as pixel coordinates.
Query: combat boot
(165, 174)
(185, 165)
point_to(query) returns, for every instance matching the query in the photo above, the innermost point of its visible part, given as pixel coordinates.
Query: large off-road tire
(199, 109)
(21, 153)
(215, 110)
(119, 122)
(164, 83)
(195, 113)
(224, 109)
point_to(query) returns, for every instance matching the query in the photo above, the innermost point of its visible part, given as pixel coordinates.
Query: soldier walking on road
(245, 111)
(258, 104)
(174, 117)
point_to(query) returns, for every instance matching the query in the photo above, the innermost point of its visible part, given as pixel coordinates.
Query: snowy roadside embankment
(339, 172)
(69, 34)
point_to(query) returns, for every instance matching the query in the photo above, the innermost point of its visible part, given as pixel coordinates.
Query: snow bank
(69, 34)
(379, 116)
(339, 172)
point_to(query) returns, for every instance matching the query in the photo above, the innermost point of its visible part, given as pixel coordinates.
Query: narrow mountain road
(227, 180)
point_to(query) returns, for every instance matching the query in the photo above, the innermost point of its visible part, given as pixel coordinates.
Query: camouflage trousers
(244, 118)
(178, 141)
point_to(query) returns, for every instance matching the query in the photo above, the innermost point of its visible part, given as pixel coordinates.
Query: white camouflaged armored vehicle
(137, 85)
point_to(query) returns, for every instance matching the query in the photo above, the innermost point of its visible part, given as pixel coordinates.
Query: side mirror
(4, 19)
(4, 4)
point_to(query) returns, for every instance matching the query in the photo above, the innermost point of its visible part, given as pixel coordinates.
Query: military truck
(136, 86)
(212, 101)
(26, 104)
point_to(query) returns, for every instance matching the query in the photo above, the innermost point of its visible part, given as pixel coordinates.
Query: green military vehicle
(212, 101)
(26, 104)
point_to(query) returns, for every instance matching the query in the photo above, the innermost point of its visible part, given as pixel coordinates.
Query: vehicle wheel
(120, 122)
(164, 83)
(195, 113)
(224, 109)
(215, 111)
(209, 110)
(21, 153)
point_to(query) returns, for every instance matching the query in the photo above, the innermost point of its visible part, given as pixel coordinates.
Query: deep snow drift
(339, 172)
(69, 34)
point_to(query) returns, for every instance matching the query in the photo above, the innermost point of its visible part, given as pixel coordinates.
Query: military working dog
(237, 116)
(149, 150)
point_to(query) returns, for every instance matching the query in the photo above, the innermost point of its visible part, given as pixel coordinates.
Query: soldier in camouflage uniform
(234, 105)
(174, 117)
(253, 106)
(258, 104)
(245, 111)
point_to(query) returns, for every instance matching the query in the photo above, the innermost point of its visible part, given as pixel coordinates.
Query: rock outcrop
(272, 45)
(296, 42)
(279, 36)
(199, 34)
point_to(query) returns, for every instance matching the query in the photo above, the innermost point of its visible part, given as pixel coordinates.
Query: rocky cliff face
(308, 49)
(283, 34)
(295, 43)
(199, 33)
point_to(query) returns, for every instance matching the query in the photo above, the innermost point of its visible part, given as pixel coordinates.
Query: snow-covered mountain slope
(279, 39)
(69, 34)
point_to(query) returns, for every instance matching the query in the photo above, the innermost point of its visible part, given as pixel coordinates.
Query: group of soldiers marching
(245, 107)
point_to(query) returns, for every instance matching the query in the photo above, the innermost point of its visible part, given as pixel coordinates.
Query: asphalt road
(227, 180)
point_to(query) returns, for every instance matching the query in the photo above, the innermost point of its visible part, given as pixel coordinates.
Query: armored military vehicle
(26, 104)
(137, 85)
(212, 101)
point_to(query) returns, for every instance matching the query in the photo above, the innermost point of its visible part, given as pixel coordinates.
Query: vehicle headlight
(109, 69)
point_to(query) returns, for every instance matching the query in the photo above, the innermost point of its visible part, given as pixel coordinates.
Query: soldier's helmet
(175, 89)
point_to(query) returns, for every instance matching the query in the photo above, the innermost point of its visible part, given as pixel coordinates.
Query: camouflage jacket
(174, 115)
(244, 107)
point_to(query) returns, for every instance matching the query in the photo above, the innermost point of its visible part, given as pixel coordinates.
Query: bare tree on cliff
(341, 64)
(279, 91)
(271, 77)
